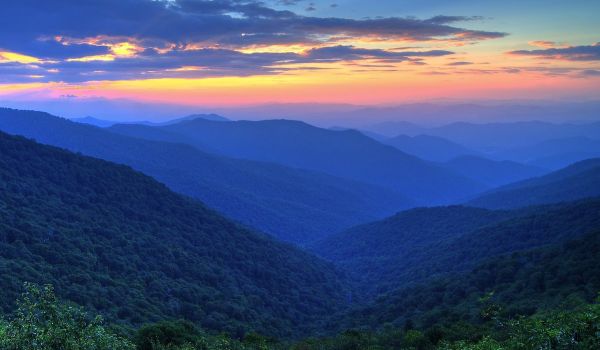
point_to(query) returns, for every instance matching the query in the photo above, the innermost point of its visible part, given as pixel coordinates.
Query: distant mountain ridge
(108, 123)
(577, 181)
(555, 153)
(493, 173)
(494, 137)
(101, 123)
(431, 148)
(347, 154)
(293, 205)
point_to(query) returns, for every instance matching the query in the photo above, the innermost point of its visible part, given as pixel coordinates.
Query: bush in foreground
(41, 322)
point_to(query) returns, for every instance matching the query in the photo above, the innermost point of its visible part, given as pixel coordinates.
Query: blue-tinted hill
(293, 205)
(429, 147)
(496, 137)
(580, 180)
(347, 154)
(493, 173)
(555, 154)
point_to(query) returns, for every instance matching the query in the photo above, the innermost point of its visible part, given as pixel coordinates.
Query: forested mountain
(492, 173)
(348, 154)
(293, 205)
(580, 180)
(116, 241)
(431, 148)
(423, 243)
(522, 283)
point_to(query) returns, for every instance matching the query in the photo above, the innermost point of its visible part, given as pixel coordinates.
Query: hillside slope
(431, 148)
(419, 244)
(521, 283)
(116, 241)
(492, 173)
(293, 205)
(577, 181)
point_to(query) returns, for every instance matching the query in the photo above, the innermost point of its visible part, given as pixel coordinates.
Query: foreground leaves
(42, 322)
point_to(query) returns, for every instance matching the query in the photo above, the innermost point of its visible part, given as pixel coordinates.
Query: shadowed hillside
(293, 205)
(419, 244)
(580, 180)
(118, 242)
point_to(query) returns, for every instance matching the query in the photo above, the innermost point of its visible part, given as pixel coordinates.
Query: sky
(236, 53)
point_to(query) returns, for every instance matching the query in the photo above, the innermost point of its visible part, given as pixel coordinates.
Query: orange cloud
(547, 44)
(118, 47)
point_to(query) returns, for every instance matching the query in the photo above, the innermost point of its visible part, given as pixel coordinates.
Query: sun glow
(7, 57)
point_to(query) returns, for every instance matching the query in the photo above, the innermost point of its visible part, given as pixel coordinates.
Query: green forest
(96, 255)
(121, 244)
(299, 175)
(43, 322)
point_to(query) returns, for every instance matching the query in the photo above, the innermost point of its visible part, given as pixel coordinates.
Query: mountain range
(346, 154)
(515, 239)
(291, 204)
(120, 243)
(431, 148)
(496, 137)
(577, 181)
(491, 172)
(102, 123)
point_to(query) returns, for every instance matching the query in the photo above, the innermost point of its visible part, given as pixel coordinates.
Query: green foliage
(578, 329)
(182, 335)
(415, 245)
(41, 322)
(562, 276)
(556, 330)
(123, 245)
(166, 333)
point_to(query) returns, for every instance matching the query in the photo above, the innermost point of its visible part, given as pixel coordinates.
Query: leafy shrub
(41, 322)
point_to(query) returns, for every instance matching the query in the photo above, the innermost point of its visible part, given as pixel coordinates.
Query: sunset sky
(236, 52)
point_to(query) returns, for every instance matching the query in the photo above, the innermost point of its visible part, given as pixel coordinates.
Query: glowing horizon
(258, 53)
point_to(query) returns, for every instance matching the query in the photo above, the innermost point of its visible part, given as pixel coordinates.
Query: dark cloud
(571, 53)
(289, 2)
(460, 63)
(190, 21)
(170, 35)
(202, 63)
(311, 7)
(349, 53)
(590, 73)
(452, 19)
